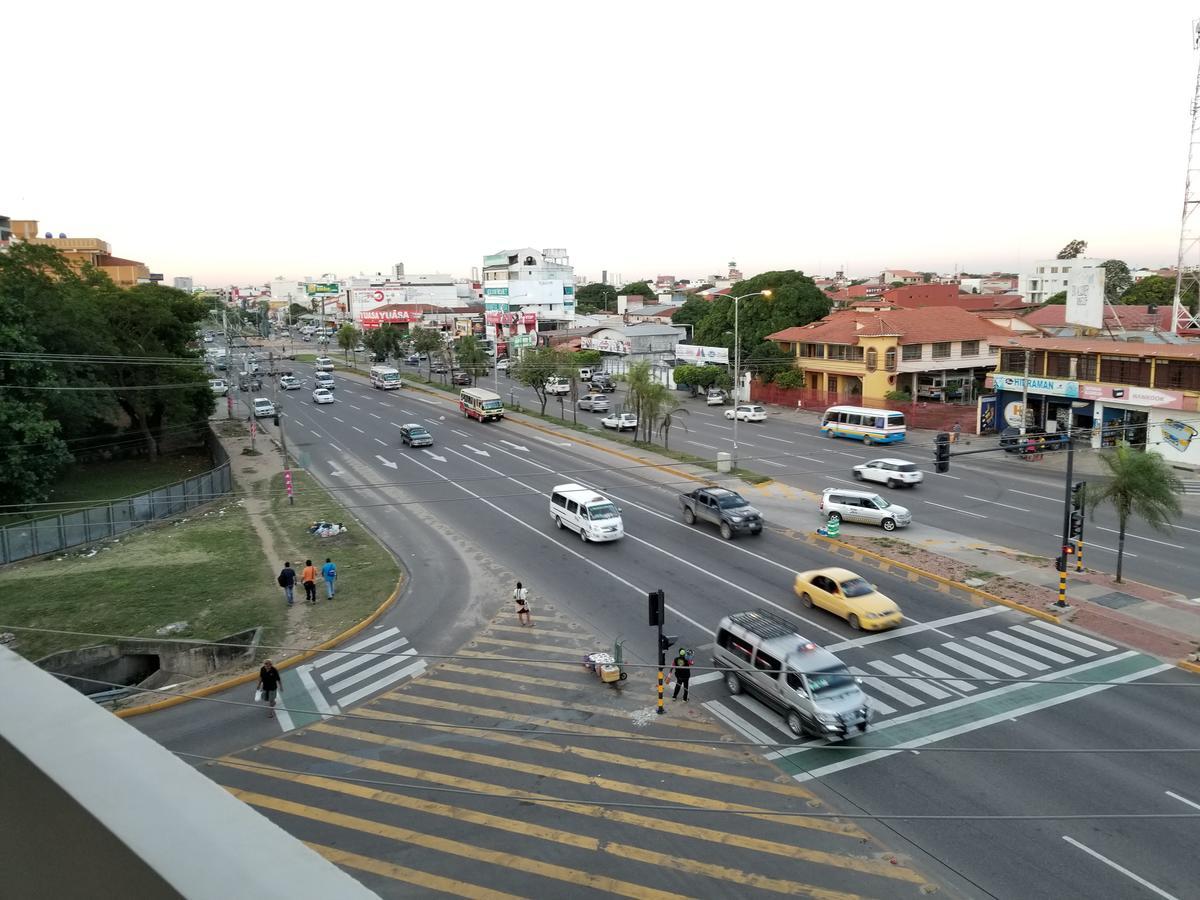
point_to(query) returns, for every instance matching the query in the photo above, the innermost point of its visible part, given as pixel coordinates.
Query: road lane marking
(1118, 867)
(372, 415)
(922, 686)
(884, 688)
(1018, 658)
(996, 503)
(378, 441)
(952, 509)
(1075, 636)
(768, 437)
(361, 645)
(317, 433)
(386, 663)
(336, 419)
(1140, 538)
(706, 677)
(769, 716)
(1038, 496)
(1030, 648)
(357, 659)
(933, 625)
(352, 406)
(415, 669)
(809, 458)
(359, 430)
(946, 678)
(1169, 794)
(384, 869)
(737, 723)
(768, 462)
(698, 444)
(983, 659)
(1054, 642)
(943, 475)
(318, 699)
(951, 662)
(459, 433)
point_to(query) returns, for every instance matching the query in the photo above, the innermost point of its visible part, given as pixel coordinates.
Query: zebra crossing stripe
(1000, 667)
(1081, 638)
(1054, 642)
(1018, 658)
(953, 663)
(334, 657)
(318, 699)
(884, 688)
(415, 669)
(366, 673)
(926, 669)
(356, 661)
(921, 686)
(767, 715)
(1030, 648)
(737, 723)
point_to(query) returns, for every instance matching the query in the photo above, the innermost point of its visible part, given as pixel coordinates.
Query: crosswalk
(933, 668)
(336, 681)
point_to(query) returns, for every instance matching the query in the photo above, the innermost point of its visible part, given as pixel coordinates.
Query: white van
(385, 378)
(581, 509)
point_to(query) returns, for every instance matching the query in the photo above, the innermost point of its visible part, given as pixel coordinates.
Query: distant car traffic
(412, 360)
(850, 596)
(502, 365)
(439, 368)
(558, 386)
(461, 378)
(415, 435)
(594, 402)
(621, 422)
(747, 412)
(289, 382)
(891, 472)
(322, 395)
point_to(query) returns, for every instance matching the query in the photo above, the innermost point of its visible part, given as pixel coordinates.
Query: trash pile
(327, 529)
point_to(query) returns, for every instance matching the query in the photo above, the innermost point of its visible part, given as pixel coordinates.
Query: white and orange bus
(476, 403)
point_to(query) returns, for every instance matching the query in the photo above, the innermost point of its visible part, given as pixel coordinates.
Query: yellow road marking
(472, 852)
(677, 798)
(405, 697)
(577, 652)
(349, 860)
(878, 867)
(536, 700)
(430, 807)
(711, 870)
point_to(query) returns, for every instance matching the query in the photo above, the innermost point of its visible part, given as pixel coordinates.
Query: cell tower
(1187, 275)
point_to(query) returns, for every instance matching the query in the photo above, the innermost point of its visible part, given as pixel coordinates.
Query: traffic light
(941, 453)
(1075, 532)
(1077, 495)
(666, 641)
(657, 607)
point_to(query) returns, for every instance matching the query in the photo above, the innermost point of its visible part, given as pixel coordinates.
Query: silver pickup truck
(724, 508)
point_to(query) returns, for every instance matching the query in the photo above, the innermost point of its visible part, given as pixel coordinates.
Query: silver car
(864, 507)
(594, 402)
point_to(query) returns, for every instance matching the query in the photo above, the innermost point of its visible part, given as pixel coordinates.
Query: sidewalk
(1156, 621)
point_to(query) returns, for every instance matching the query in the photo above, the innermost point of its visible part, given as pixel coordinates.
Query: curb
(1189, 666)
(252, 676)
(957, 585)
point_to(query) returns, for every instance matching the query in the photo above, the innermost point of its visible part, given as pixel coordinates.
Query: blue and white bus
(871, 426)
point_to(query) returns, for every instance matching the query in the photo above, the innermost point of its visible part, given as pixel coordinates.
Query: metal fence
(96, 523)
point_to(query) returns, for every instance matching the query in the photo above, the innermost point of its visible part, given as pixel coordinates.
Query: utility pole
(1065, 548)
(1025, 395)
(658, 608)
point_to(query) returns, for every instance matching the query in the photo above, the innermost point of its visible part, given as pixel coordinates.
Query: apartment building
(1047, 277)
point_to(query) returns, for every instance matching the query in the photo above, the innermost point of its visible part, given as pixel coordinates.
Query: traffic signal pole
(658, 608)
(1065, 548)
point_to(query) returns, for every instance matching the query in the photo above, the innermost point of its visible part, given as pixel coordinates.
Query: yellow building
(933, 352)
(84, 251)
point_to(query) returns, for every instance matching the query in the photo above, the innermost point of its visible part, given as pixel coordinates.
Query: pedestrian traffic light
(941, 454)
(1076, 530)
(666, 641)
(1077, 495)
(657, 607)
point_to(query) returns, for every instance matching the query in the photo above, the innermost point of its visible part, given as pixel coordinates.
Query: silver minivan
(846, 505)
(761, 653)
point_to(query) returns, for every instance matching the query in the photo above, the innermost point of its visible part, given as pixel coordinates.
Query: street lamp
(737, 365)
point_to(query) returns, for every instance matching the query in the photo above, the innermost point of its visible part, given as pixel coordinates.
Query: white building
(1046, 277)
(527, 287)
(183, 283)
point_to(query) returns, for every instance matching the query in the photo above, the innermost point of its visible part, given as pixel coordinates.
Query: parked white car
(715, 397)
(263, 407)
(621, 421)
(322, 395)
(892, 472)
(323, 364)
(747, 412)
(219, 387)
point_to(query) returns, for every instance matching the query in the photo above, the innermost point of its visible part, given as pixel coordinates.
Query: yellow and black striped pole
(1062, 584)
(661, 711)
(1079, 555)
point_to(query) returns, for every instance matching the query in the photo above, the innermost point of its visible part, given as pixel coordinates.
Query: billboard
(366, 297)
(700, 355)
(604, 345)
(1085, 297)
(322, 287)
(375, 318)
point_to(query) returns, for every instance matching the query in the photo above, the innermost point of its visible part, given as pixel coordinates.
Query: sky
(238, 142)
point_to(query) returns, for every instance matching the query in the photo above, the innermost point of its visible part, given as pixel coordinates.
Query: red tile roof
(1118, 316)
(914, 326)
(1116, 348)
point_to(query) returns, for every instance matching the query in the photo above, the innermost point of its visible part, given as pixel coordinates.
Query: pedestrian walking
(681, 668)
(329, 573)
(309, 578)
(287, 581)
(955, 432)
(268, 685)
(521, 596)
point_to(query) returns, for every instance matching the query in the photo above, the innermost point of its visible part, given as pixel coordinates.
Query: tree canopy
(639, 287)
(596, 297)
(1073, 249)
(1116, 279)
(795, 300)
(1059, 299)
(1156, 290)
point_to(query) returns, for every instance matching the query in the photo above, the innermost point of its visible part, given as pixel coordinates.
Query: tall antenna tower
(1187, 275)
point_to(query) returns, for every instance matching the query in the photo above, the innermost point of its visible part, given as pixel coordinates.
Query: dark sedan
(415, 435)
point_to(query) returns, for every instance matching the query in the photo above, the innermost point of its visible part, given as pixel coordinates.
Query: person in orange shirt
(309, 578)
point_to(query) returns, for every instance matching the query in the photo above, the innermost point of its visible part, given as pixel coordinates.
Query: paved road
(953, 676)
(995, 497)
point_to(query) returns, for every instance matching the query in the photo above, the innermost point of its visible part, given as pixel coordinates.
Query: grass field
(207, 569)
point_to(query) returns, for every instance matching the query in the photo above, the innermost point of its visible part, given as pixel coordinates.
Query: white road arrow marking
(334, 470)
(386, 462)
(434, 455)
(516, 446)
(479, 452)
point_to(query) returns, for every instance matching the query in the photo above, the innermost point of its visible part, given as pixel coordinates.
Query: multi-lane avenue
(980, 711)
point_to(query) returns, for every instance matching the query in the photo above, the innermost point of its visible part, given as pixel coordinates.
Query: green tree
(640, 288)
(790, 379)
(472, 358)
(428, 342)
(348, 337)
(1073, 249)
(1116, 279)
(383, 341)
(672, 413)
(295, 311)
(1140, 483)
(767, 360)
(1158, 291)
(1059, 299)
(794, 300)
(581, 358)
(696, 377)
(538, 365)
(598, 297)
(693, 310)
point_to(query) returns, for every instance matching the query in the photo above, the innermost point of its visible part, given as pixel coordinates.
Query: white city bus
(385, 378)
(871, 426)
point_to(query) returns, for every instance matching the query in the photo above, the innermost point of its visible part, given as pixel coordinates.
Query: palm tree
(671, 411)
(1140, 483)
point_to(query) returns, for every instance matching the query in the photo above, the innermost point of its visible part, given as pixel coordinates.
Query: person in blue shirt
(329, 573)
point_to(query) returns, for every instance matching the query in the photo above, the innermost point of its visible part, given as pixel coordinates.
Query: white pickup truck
(558, 386)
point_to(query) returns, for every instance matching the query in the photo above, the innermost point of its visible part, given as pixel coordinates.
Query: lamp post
(737, 366)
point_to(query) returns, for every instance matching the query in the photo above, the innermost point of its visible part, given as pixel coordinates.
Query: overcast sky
(236, 142)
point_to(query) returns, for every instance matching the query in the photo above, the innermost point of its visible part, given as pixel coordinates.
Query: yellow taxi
(848, 595)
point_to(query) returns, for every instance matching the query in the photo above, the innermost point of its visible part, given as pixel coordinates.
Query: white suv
(263, 408)
(891, 472)
(863, 506)
(323, 364)
(747, 412)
